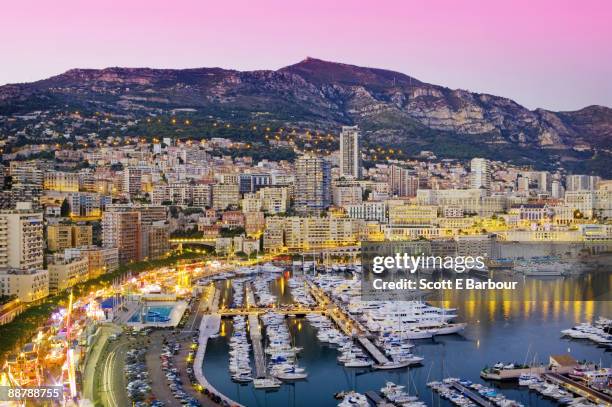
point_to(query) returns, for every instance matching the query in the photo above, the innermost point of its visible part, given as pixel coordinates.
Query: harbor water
(508, 329)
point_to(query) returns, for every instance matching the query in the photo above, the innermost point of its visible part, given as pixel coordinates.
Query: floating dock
(378, 356)
(258, 351)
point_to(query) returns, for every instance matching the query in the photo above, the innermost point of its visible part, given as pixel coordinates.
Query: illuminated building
(123, 230)
(224, 195)
(61, 181)
(66, 272)
(26, 284)
(402, 182)
(60, 237)
(21, 238)
(313, 182)
(350, 152)
(480, 174)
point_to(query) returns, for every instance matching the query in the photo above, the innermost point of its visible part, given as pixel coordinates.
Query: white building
(480, 174)
(27, 285)
(21, 238)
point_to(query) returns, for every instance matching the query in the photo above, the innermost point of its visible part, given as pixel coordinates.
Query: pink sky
(555, 54)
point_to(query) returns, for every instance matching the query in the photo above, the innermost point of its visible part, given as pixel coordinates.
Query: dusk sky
(554, 54)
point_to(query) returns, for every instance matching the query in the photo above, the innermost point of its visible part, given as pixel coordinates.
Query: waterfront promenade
(209, 326)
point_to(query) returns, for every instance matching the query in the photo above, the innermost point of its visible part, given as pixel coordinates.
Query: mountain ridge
(391, 107)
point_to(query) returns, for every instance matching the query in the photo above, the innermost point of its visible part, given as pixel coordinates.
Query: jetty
(373, 350)
(257, 342)
(510, 374)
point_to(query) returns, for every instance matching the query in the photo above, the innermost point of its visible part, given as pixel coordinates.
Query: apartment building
(67, 272)
(21, 238)
(60, 236)
(61, 181)
(27, 285)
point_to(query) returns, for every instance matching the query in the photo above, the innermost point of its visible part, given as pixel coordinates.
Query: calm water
(500, 328)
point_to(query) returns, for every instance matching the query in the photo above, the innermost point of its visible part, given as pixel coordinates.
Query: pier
(579, 388)
(228, 312)
(347, 324)
(209, 326)
(258, 351)
(475, 397)
(373, 350)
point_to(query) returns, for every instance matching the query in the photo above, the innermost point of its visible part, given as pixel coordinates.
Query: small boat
(288, 376)
(358, 363)
(392, 365)
(266, 383)
(242, 378)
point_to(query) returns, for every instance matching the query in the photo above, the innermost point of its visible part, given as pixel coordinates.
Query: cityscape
(323, 234)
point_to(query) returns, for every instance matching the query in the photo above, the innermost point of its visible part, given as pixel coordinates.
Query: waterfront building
(100, 259)
(350, 152)
(273, 236)
(154, 241)
(64, 236)
(307, 233)
(27, 285)
(66, 272)
(21, 238)
(122, 229)
(313, 184)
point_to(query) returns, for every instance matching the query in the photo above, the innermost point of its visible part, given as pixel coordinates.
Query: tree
(65, 208)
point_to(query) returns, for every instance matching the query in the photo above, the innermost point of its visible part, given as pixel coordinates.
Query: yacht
(266, 383)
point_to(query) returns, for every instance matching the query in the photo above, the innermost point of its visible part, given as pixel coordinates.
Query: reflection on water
(501, 327)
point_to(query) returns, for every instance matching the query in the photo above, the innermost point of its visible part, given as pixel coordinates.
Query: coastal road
(112, 380)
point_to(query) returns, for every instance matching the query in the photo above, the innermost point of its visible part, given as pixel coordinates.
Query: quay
(209, 326)
(579, 389)
(475, 397)
(258, 352)
(510, 374)
(376, 354)
(348, 325)
(255, 333)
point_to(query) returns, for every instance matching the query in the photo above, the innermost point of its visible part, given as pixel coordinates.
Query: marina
(326, 366)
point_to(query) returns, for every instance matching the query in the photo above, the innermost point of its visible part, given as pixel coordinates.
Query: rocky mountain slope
(391, 107)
